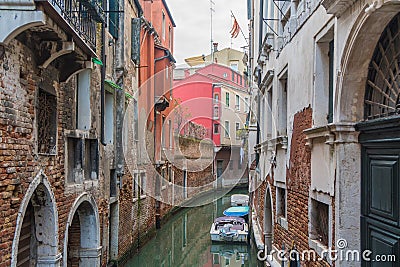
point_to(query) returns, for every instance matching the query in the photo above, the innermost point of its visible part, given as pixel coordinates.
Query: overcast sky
(192, 32)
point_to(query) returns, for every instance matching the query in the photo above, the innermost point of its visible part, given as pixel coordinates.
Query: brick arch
(356, 58)
(46, 221)
(83, 225)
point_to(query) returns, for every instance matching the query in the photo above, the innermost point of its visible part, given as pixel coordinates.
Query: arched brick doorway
(36, 235)
(82, 244)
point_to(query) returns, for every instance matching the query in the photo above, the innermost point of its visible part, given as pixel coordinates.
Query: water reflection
(185, 241)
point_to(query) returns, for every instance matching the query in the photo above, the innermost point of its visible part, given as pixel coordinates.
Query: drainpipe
(103, 77)
(120, 97)
(258, 116)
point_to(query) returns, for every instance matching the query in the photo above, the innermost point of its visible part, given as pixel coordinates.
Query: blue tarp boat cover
(237, 211)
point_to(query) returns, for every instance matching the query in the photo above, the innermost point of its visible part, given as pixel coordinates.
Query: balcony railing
(82, 15)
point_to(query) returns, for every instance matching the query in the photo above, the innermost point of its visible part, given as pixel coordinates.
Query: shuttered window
(113, 19)
(135, 40)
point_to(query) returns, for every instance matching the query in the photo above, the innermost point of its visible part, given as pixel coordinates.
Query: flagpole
(212, 10)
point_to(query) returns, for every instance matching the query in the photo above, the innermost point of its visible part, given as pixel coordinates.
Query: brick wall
(19, 162)
(298, 181)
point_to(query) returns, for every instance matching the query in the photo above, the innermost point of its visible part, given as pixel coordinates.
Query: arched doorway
(82, 244)
(36, 236)
(352, 128)
(268, 220)
(380, 148)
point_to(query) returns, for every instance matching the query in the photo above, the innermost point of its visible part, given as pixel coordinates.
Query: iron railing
(82, 15)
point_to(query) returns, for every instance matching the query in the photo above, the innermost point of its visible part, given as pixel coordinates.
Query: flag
(235, 29)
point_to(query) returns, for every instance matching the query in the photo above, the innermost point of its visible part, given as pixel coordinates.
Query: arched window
(383, 83)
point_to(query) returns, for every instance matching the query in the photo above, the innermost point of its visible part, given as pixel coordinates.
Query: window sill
(319, 248)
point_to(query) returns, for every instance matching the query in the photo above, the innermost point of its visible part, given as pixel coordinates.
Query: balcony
(60, 27)
(81, 15)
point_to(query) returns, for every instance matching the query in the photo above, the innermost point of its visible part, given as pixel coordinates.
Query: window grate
(383, 83)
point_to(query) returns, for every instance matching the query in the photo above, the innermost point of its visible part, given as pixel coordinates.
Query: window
(163, 25)
(233, 76)
(235, 66)
(216, 112)
(216, 98)
(170, 174)
(237, 128)
(91, 160)
(109, 118)
(246, 104)
(135, 186)
(237, 103)
(319, 222)
(216, 128)
(170, 134)
(281, 202)
(113, 183)
(170, 37)
(135, 40)
(163, 133)
(82, 160)
(83, 100)
(227, 129)
(46, 117)
(269, 114)
(185, 184)
(227, 99)
(74, 160)
(330, 74)
(113, 18)
(323, 83)
(143, 184)
(282, 106)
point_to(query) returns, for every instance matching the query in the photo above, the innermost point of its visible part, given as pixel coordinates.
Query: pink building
(216, 97)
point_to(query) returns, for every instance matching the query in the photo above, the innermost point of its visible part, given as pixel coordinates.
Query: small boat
(237, 211)
(229, 229)
(239, 200)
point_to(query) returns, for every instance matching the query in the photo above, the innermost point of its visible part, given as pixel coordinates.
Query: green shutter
(135, 42)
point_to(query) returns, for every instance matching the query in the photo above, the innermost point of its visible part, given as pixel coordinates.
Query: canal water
(184, 241)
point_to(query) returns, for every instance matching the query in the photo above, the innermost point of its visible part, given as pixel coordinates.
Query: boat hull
(237, 238)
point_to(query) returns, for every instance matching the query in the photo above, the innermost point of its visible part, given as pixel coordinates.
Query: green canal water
(184, 241)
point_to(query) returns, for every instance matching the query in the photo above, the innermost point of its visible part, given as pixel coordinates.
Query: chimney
(215, 47)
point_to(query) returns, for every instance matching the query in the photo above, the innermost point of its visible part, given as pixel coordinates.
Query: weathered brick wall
(298, 181)
(19, 162)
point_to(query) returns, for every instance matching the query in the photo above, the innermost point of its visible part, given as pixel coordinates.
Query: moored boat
(239, 200)
(229, 229)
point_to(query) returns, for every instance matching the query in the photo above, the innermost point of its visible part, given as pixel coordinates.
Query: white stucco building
(327, 73)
